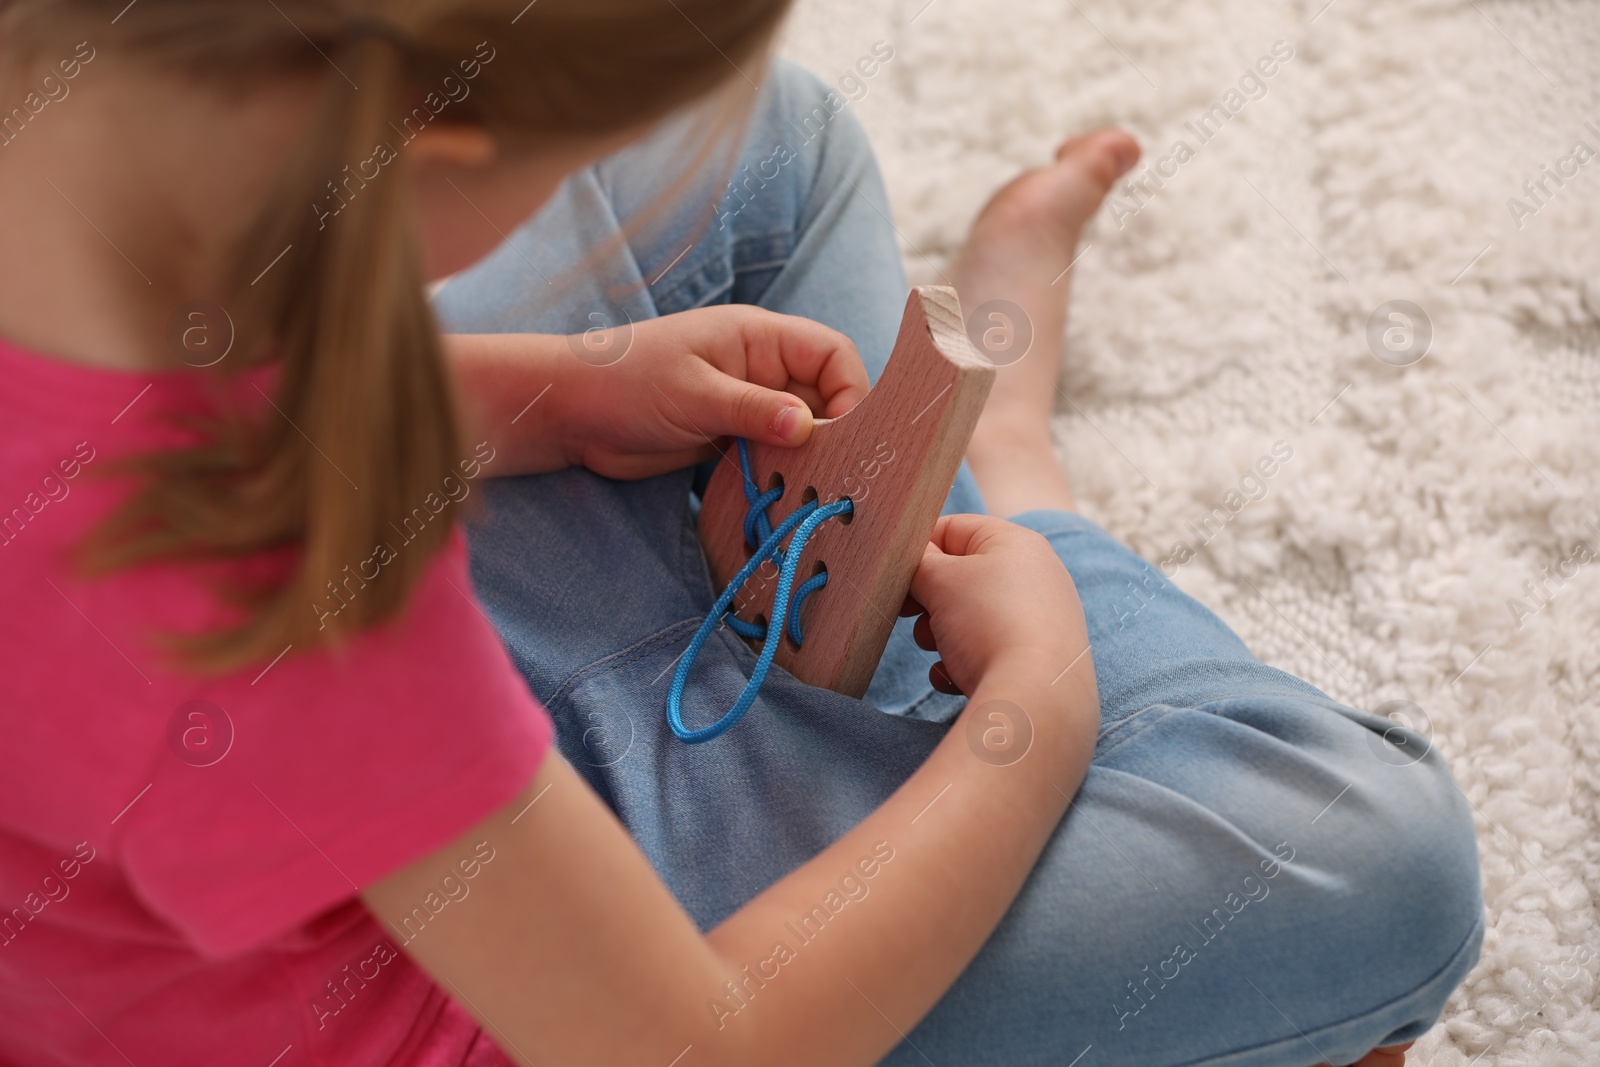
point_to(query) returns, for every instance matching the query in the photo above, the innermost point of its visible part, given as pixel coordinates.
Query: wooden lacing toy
(851, 510)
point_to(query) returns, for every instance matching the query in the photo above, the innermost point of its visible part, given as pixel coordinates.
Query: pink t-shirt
(179, 858)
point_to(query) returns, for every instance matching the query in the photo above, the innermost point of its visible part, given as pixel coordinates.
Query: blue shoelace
(767, 542)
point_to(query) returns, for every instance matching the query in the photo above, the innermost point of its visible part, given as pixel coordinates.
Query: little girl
(275, 792)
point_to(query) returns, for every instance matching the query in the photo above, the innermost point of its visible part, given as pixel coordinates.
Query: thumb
(932, 578)
(757, 414)
(967, 535)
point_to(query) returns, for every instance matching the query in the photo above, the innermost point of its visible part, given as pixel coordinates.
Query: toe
(1105, 155)
(1069, 144)
(1060, 198)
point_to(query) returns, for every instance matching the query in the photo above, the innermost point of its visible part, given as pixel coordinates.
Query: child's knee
(1404, 851)
(1426, 842)
(1384, 882)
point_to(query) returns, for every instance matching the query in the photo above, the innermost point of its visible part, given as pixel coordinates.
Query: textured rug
(1432, 549)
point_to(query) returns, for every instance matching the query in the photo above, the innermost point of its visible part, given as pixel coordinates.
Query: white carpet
(1231, 310)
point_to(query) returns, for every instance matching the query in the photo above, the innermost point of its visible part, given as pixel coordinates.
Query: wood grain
(895, 456)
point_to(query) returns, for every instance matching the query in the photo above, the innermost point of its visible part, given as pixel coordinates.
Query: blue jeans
(1252, 873)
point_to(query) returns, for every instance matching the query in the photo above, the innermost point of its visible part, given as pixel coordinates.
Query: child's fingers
(941, 680)
(932, 581)
(922, 632)
(711, 403)
(966, 535)
(812, 397)
(811, 354)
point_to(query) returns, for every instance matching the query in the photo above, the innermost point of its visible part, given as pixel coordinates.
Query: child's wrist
(560, 421)
(564, 404)
(1038, 664)
(517, 392)
(1049, 690)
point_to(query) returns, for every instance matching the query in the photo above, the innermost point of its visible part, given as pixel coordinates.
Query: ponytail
(361, 429)
(338, 484)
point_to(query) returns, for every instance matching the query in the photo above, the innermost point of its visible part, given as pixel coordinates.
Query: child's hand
(689, 380)
(993, 595)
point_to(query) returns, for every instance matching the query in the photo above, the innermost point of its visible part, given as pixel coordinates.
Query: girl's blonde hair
(364, 429)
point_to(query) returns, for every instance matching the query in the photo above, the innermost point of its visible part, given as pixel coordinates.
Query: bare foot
(1019, 250)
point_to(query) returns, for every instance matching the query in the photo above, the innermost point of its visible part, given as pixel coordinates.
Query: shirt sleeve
(344, 767)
